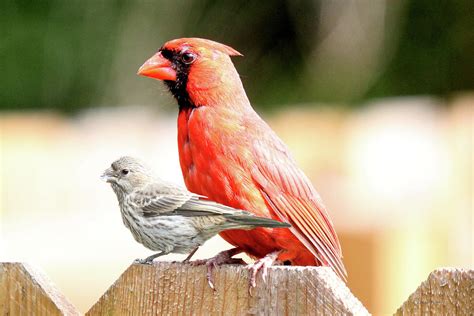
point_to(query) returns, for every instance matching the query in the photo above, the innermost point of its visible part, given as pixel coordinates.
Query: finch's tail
(235, 218)
(245, 221)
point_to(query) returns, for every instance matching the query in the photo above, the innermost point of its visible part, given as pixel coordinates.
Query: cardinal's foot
(224, 257)
(261, 264)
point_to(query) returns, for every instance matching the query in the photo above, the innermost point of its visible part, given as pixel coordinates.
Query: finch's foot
(224, 257)
(190, 255)
(149, 260)
(143, 261)
(261, 264)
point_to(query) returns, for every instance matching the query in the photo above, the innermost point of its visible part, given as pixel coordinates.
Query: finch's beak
(158, 67)
(108, 176)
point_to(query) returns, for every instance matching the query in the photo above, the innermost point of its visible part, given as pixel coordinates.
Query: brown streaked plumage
(167, 218)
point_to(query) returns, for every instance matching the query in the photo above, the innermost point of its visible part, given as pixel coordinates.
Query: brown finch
(167, 218)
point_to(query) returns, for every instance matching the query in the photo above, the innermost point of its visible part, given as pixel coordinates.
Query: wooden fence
(26, 291)
(179, 289)
(447, 291)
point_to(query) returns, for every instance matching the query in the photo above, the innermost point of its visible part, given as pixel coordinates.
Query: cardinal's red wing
(292, 197)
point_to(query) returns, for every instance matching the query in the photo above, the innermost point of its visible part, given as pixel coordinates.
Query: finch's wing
(201, 206)
(153, 202)
(290, 194)
(157, 200)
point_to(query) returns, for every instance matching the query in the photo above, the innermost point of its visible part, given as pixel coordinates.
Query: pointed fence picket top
(447, 291)
(26, 291)
(180, 289)
(173, 288)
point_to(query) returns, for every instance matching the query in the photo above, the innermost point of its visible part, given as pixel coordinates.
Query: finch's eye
(125, 171)
(188, 58)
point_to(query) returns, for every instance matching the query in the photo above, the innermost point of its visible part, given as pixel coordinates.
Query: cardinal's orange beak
(158, 67)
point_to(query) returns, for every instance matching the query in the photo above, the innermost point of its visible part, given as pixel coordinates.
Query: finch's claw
(143, 261)
(197, 262)
(149, 260)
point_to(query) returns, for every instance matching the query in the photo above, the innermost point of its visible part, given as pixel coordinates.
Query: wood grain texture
(447, 291)
(26, 291)
(179, 289)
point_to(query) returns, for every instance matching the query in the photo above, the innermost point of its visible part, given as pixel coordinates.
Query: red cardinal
(229, 154)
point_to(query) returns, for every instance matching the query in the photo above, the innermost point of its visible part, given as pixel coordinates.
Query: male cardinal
(229, 154)
(167, 218)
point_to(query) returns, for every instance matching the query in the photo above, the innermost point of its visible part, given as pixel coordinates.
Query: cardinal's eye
(125, 171)
(188, 58)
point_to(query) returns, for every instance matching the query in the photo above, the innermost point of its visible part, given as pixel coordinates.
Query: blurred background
(374, 98)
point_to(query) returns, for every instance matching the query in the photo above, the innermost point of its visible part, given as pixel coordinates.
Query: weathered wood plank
(26, 291)
(447, 291)
(179, 289)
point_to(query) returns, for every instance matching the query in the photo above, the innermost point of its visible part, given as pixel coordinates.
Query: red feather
(229, 154)
(289, 193)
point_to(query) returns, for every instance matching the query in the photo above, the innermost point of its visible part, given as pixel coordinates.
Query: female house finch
(229, 154)
(167, 218)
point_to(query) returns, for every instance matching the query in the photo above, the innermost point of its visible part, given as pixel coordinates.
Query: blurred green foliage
(67, 55)
(56, 53)
(435, 54)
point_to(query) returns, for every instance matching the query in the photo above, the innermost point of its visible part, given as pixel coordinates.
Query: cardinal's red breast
(215, 161)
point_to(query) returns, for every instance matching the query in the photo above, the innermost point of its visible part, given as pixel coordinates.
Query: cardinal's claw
(261, 264)
(264, 274)
(224, 257)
